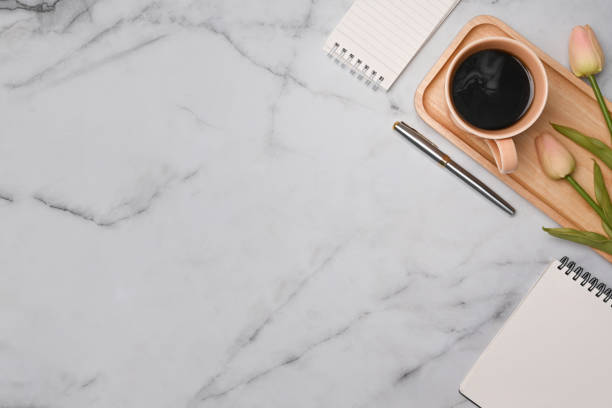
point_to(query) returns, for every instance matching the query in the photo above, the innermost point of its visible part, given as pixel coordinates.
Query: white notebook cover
(378, 38)
(555, 350)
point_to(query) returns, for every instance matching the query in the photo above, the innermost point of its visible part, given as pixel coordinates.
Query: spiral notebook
(376, 39)
(554, 350)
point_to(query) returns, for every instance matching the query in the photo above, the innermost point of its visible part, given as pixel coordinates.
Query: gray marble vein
(203, 394)
(37, 5)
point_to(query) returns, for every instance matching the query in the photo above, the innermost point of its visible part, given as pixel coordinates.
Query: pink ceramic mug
(500, 141)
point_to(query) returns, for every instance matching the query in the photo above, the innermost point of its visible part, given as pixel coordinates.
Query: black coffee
(492, 89)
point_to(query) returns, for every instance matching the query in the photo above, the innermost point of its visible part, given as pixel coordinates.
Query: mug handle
(504, 153)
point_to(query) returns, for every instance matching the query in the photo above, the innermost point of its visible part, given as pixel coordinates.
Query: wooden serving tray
(570, 102)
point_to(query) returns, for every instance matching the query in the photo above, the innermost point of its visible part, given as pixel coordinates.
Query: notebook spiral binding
(587, 279)
(362, 70)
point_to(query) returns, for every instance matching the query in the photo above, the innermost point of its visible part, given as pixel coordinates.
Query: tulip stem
(586, 196)
(602, 102)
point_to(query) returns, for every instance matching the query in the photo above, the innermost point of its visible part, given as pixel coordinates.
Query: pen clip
(414, 131)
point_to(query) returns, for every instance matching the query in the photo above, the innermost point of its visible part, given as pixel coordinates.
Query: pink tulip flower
(585, 54)
(556, 161)
(587, 59)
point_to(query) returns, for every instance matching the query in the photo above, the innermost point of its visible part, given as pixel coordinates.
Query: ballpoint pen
(442, 158)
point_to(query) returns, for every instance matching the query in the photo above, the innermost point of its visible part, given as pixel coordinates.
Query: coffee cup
(485, 93)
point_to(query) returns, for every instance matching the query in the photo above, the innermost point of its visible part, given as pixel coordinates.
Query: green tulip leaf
(601, 194)
(592, 239)
(607, 229)
(595, 146)
(586, 196)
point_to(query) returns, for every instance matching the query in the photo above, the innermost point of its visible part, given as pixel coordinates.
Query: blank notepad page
(554, 350)
(378, 38)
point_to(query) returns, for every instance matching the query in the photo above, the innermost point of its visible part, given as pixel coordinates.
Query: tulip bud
(586, 56)
(556, 161)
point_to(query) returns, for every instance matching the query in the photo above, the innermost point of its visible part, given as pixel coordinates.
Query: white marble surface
(198, 209)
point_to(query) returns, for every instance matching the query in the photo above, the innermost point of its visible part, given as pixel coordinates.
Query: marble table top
(198, 209)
